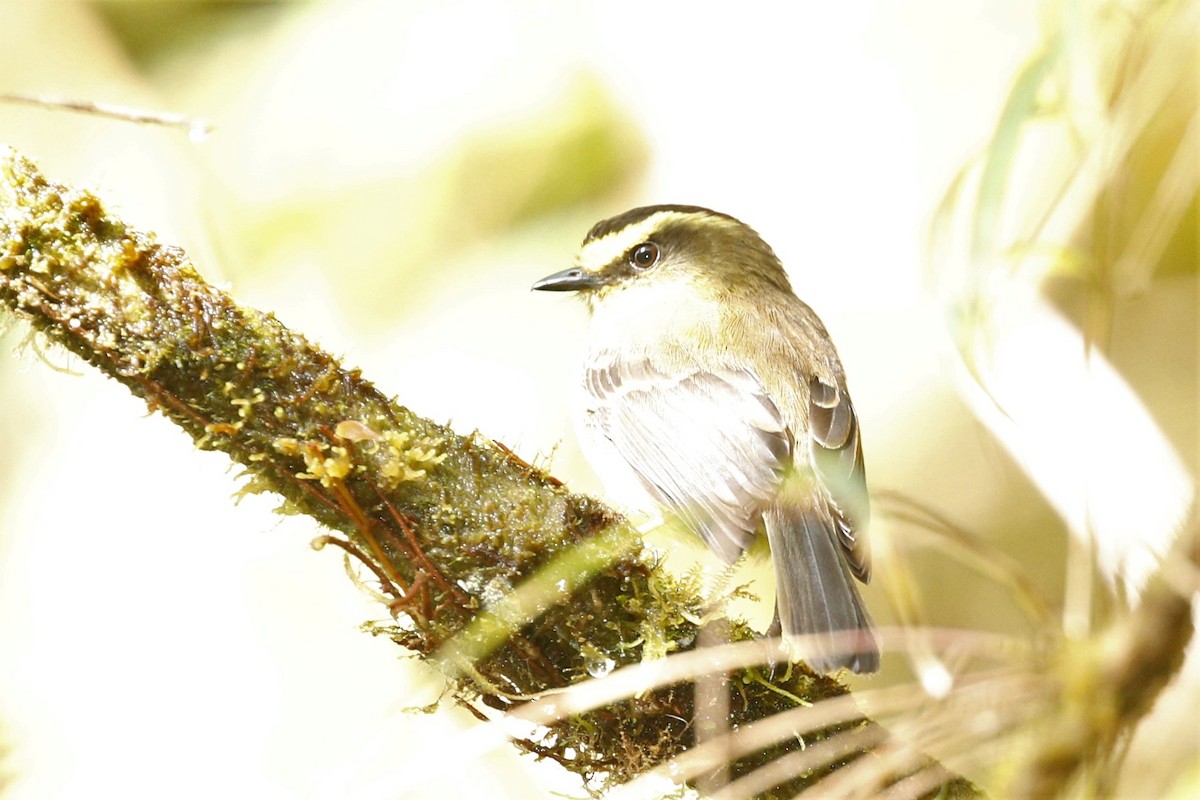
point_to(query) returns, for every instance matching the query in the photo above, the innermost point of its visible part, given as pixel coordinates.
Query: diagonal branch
(452, 526)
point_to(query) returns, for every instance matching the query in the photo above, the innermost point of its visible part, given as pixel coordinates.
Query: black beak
(569, 280)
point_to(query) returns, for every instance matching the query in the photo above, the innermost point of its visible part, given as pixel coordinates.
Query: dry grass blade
(646, 676)
(970, 551)
(828, 751)
(1006, 699)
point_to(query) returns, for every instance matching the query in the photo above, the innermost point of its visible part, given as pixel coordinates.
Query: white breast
(630, 324)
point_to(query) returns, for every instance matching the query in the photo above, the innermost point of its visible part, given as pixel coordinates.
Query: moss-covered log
(453, 527)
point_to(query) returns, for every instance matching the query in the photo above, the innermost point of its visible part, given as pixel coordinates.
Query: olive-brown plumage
(709, 386)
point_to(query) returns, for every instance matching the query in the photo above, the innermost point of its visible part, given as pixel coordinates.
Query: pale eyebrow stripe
(599, 253)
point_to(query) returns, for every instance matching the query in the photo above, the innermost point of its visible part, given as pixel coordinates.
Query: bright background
(389, 178)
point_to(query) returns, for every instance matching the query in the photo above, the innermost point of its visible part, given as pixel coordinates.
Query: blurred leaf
(1021, 107)
(1104, 195)
(581, 149)
(155, 33)
(378, 235)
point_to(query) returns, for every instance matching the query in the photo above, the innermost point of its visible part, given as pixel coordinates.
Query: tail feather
(815, 592)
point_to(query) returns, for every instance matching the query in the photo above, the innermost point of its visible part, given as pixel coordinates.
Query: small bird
(712, 388)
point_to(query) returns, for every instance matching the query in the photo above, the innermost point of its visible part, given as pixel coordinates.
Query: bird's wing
(710, 446)
(837, 453)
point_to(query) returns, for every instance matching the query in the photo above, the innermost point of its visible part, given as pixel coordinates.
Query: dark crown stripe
(635, 215)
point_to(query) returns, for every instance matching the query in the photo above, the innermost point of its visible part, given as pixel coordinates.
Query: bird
(709, 386)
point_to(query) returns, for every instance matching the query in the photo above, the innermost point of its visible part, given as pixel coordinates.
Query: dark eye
(644, 256)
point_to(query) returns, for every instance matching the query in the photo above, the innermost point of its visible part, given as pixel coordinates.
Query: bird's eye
(644, 256)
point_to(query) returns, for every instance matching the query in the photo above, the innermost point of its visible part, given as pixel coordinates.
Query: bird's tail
(815, 592)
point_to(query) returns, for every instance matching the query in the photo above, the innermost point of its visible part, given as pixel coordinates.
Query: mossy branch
(451, 526)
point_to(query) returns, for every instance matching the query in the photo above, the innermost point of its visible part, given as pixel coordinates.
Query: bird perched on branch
(710, 386)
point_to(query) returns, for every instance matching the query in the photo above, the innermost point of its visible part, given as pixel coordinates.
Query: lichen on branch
(456, 529)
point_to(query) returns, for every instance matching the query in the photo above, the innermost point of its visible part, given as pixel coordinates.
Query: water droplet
(599, 666)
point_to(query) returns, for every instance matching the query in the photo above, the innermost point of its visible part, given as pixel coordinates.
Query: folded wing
(838, 456)
(711, 446)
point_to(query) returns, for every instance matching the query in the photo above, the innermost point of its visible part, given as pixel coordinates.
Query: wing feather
(837, 453)
(710, 446)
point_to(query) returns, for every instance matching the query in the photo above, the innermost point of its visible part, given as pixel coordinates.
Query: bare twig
(196, 129)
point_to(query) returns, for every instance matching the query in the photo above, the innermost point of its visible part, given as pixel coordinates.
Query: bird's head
(669, 245)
